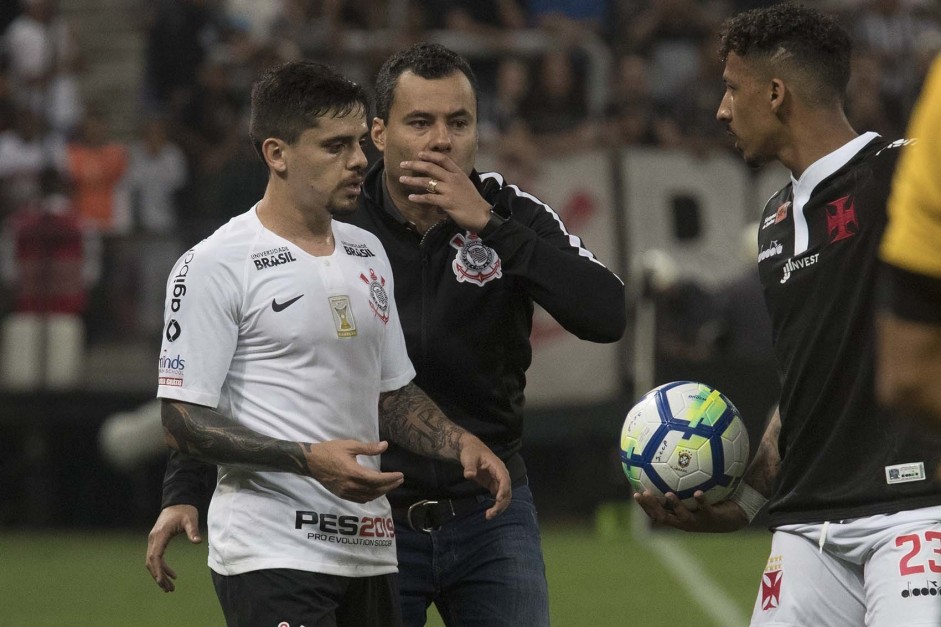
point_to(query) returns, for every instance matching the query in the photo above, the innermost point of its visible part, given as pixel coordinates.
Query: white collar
(830, 163)
(813, 175)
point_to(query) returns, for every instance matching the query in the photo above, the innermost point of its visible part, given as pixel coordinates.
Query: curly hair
(429, 61)
(795, 37)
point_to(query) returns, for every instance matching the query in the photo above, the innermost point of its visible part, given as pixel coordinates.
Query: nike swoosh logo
(282, 306)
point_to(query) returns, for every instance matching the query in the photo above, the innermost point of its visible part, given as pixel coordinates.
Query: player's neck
(312, 231)
(814, 138)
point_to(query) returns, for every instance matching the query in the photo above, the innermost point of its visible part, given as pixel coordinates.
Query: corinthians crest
(378, 298)
(474, 262)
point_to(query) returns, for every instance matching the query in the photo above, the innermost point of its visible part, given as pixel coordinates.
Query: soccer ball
(682, 437)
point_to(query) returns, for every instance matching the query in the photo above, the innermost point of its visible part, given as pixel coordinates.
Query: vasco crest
(474, 262)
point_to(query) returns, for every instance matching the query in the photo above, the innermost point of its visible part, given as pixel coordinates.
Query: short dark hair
(290, 98)
(808, 41)
(429, 61)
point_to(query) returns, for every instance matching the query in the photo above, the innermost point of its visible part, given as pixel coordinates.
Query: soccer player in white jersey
(283, 362)
(853, 501)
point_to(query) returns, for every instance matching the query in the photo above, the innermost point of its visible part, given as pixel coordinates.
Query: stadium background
(604, 109)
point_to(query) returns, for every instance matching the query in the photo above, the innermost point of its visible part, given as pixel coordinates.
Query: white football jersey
(296, 347)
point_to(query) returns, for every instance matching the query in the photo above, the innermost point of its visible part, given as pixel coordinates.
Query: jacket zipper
(425, 261)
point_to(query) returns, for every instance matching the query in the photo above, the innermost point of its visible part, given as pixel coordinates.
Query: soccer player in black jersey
(854, 512)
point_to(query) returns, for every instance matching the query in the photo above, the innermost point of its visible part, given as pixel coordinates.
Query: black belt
(429, 514)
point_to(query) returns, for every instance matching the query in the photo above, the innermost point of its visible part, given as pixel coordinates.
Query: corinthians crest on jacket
(474, 262)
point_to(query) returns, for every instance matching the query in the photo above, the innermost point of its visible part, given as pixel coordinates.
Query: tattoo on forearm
(208, 435)
(764, 468)
(412, 420)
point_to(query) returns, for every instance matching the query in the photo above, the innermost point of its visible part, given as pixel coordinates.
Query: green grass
(78, 579)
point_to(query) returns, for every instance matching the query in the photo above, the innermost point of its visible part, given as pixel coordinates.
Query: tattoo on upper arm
(412, 420)
(208, 435)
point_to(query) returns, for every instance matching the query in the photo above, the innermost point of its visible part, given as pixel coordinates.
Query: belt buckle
(422, 508)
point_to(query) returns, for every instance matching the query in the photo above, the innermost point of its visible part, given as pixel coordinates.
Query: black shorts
(291, 598)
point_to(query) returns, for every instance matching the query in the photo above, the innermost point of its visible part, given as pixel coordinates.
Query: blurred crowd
(90, 217)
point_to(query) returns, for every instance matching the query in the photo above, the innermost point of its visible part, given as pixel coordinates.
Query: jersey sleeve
(397, 369)
(201, 324)
(910, 295)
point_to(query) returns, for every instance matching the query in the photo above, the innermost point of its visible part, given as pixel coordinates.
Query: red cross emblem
(841, 219)
(771, 589)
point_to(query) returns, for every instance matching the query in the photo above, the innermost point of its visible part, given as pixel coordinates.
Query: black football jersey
(842, 456)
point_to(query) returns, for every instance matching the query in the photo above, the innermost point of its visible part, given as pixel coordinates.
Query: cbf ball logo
(474, 262)
(378, 298)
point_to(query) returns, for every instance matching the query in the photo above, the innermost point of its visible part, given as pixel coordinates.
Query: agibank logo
(173, 330)
(178, 282)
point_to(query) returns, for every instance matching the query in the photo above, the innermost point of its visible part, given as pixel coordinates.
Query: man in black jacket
(471, 255)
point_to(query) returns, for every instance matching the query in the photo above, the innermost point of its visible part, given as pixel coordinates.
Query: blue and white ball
(682, 437)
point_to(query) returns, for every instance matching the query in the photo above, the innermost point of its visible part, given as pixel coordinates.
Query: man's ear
(273, 150)
(776, 94)
(378, 134)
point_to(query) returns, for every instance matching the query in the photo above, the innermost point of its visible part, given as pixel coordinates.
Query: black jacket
(466, 308)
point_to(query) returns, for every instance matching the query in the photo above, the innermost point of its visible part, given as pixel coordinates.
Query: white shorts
(878, 571)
